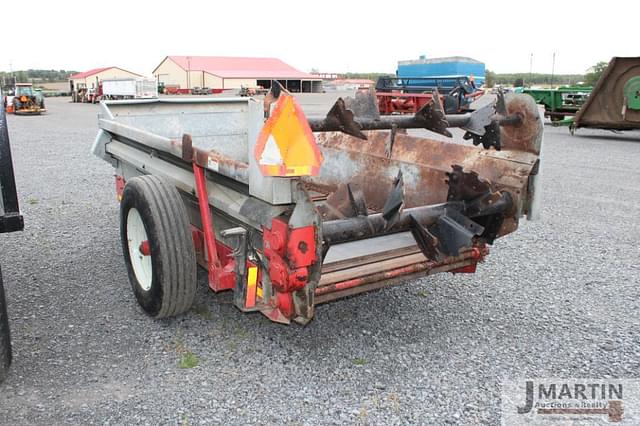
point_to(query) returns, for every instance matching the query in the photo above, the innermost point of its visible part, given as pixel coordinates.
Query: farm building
(439, 67)
(91, 79)
(220, 72)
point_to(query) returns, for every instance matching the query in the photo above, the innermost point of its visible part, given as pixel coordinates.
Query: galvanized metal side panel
(219, 126)
(242, 208)
(225, 127)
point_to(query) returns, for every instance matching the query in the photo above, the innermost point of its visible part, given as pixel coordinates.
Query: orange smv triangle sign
(286, 146)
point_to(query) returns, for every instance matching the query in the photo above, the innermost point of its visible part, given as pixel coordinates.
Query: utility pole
(553, 67)
(189, 72)
(530, 68)
(12, 78)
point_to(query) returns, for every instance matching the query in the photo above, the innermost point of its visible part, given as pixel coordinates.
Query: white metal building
(91, 79)
(221, 72)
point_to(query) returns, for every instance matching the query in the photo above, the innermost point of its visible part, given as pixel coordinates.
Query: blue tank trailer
(455, 78)
(439, 67)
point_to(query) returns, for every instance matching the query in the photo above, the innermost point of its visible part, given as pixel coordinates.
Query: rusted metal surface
(360, 278)
(368, 258)
(606, 106)
(214, 161)
(431, 117)
(360, 227)
(387, 282)
(383, 208)
(424, 163)
(355, 115)
(527, 135)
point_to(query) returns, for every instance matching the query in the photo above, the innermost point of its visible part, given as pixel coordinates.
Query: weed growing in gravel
(422, 293)
(240, 332)
(32, 200)
(359, 361)
(203, 312)
(188, 360)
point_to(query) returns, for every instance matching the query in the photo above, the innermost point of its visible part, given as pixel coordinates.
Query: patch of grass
(231, 345)
(241, 332)
(188, 360)
(203, 312)
(32, 200)
(359, 361)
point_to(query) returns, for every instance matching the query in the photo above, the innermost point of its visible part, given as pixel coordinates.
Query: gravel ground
(560, 297)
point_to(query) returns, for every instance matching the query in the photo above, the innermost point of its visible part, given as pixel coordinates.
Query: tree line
(31, 75)
(491, 78)
(519, 79)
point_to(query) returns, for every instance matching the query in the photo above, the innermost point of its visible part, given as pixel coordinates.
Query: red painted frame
(221, 277)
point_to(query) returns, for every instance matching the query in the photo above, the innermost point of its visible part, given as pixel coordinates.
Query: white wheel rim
(136, 235)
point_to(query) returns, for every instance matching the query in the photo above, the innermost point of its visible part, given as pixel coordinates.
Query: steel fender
(98, 148)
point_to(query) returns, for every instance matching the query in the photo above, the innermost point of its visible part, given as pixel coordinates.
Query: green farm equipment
(560, 102)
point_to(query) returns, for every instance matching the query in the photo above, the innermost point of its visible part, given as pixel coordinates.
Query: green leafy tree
(489, 78)
(533, 79)
(366, 75)
(25, 76)
(593, 74)
(21, 77)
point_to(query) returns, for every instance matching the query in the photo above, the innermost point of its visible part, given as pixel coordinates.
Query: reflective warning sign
(286, 146)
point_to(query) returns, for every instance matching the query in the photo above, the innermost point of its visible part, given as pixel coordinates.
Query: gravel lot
(560, 297)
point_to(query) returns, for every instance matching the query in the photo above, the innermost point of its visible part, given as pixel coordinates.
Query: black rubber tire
(5, 335)
(173, 259)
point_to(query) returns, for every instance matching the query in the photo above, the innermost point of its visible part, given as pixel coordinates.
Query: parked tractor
(27, 101)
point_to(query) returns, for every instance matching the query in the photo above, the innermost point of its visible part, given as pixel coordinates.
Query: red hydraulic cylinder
(213, 261)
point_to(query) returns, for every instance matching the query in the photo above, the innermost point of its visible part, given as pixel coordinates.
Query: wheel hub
(139, 249)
